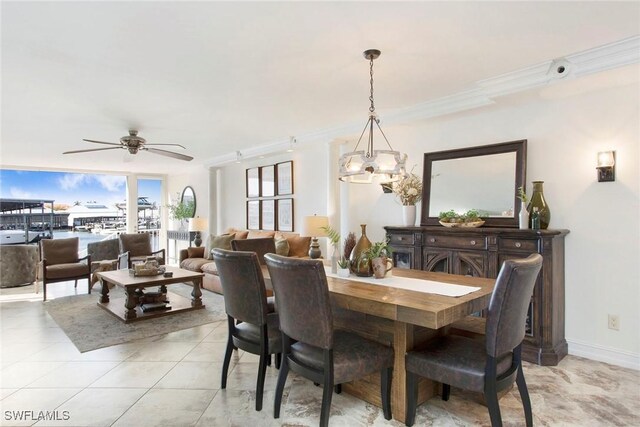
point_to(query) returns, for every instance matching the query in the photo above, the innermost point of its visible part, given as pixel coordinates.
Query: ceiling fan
(134, 143)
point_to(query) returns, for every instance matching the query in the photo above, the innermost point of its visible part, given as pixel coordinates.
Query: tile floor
(174, 379)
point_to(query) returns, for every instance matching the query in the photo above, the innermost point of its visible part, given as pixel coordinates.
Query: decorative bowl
(474, 224)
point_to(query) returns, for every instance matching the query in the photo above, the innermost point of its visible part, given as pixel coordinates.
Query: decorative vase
(538, 201)
(334, 260)
(359, 261)
(381, 267)
(409, 215)
(523, 216)
(343, 272)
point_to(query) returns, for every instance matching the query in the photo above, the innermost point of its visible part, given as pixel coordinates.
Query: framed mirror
(189, 198)
(484, 178)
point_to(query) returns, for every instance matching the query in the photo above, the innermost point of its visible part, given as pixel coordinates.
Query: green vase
(359, 262)
(539, 203)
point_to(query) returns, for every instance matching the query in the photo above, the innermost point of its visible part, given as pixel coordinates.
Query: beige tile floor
(174, 380)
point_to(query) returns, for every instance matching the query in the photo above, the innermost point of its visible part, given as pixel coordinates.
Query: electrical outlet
(614, 322)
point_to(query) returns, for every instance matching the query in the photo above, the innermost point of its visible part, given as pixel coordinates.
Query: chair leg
(262, 371)
(278, 360)
(44, 290)
(268, 360)
(446, 391)
(75, 283)
(225, 365)
(327, 393)
(412, 398)
(282, 379)
(524, 395)
(385, 392)
(491, 397)
(337, 388)
(89, 284)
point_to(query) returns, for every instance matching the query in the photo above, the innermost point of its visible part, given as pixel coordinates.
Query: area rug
(90, 327)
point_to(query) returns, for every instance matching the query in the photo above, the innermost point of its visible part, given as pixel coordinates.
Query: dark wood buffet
(480, 252)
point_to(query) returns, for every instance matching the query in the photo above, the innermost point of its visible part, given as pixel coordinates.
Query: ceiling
(218, 77)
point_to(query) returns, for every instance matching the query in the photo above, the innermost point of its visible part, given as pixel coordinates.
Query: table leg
(163, 289)
(196, 293)
(104, 294)
(130, 304)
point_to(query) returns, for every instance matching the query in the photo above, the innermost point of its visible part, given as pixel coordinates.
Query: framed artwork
(253, 182)
(267, 180)
(284, 174)
(285, 214)
(268, 214)
(253, 215)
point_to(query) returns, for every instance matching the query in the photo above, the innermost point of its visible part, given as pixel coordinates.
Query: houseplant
(451, 218)
(181, 211)
(523, 217)
(379, 255)
(409, 192)
(343, 268)
(334, 239)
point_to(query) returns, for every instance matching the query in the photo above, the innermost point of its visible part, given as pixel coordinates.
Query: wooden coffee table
(128, 310)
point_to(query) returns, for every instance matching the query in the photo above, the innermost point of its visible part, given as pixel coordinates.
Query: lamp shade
(198, 224)
(312, 226)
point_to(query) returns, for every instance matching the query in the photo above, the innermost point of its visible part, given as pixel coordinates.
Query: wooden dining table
(402, 319)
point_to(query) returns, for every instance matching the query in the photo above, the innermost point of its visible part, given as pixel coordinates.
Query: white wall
(566, 125)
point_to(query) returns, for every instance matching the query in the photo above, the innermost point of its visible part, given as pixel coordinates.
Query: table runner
(419, 285)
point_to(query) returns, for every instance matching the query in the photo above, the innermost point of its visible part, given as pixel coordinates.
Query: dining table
(403, 314)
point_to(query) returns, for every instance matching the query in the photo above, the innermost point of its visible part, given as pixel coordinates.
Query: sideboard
(480, 252)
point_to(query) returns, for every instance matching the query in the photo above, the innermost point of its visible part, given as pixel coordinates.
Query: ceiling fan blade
(93, 149)
(173, 145)
(102, 142)
(168, 153)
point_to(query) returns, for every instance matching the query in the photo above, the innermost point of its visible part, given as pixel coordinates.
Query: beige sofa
(192, 259)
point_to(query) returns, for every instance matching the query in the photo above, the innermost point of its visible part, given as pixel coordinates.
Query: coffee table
(128, 309)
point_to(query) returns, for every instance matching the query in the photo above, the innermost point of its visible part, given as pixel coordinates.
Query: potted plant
(334, 239)
(409, 192)
(181, 211)
(343, 267)
(451, 218)
(379, 255)
(523, 217)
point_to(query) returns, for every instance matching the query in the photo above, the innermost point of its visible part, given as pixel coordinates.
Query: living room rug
(90, 327)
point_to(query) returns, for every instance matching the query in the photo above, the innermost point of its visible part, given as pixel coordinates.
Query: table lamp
(198, 224)
(314, 227)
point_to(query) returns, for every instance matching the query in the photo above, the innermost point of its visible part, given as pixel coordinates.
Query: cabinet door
(436, 260)
(470, 264)
(403, 257)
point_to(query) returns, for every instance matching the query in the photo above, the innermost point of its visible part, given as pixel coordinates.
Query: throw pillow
(218, 242)
(260, 234)
(299, 246)
(195, 252)
(282, 247)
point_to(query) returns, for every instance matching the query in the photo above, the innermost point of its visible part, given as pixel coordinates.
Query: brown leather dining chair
(252, 327)
(320, 353)
(487, 367)
(59, 262)
(137, 247)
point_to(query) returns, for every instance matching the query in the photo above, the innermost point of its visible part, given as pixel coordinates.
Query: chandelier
(362, 166)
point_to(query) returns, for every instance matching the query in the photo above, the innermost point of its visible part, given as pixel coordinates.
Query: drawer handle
(401, 238)
(473, 242)
(518, 244)
(432, 240)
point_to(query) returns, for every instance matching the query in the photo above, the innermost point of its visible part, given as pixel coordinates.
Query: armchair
(59, 262)
(137, 247)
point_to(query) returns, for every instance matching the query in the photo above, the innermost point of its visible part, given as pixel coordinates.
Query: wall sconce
(606, 166)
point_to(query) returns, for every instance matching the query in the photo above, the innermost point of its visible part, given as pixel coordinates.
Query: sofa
(193, 259)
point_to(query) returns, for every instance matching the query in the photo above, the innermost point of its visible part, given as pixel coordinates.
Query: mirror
(484, 178)
(189, 198)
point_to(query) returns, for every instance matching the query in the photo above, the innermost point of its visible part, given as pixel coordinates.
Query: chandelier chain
(372, 108)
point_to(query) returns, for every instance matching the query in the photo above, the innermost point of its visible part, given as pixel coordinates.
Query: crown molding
(483, 93)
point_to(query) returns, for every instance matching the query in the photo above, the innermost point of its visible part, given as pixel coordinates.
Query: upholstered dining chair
(252, 327)
(319, 352)
(59, 262)
(260, 246)
(137, 246)
(490, 366)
